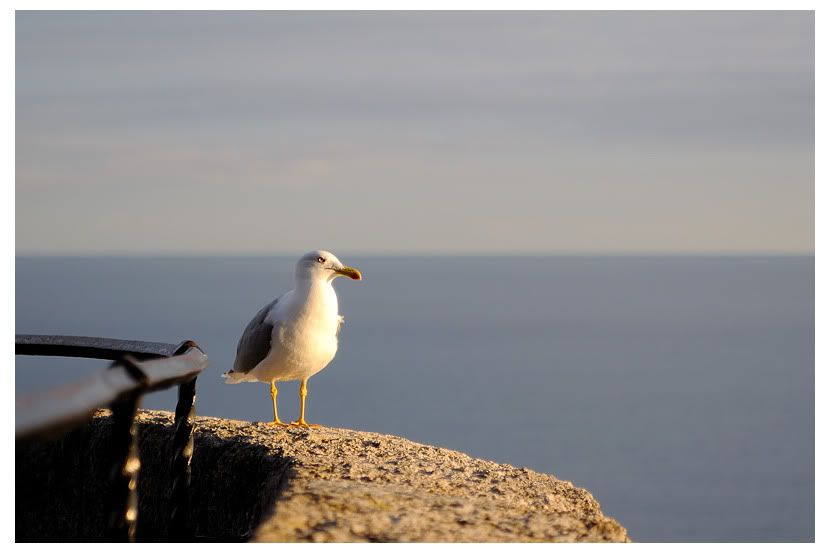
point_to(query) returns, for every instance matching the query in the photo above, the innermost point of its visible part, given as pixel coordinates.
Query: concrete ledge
(252, 481)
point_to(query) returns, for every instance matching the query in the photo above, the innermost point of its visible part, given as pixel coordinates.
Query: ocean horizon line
(522, 254)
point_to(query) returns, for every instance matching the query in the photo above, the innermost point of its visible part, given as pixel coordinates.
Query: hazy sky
(526, 132)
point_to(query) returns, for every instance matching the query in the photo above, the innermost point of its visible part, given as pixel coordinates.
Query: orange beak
(353, 274)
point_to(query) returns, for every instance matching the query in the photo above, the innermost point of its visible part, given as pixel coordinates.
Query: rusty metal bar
(122, 501)
(181, 526)
(90, 347)
(181, 523)
(68, 404)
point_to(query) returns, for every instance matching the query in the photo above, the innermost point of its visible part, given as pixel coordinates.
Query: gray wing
(255, 342)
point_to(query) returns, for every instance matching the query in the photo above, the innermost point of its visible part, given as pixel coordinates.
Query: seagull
(295, 336)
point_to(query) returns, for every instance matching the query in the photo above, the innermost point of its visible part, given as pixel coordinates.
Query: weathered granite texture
(264, 483)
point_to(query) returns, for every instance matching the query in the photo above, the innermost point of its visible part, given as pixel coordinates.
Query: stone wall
(253, 481)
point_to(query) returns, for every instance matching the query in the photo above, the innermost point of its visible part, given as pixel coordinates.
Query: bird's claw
(304, 423)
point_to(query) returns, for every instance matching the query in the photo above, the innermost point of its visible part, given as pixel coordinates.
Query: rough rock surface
(265, 483)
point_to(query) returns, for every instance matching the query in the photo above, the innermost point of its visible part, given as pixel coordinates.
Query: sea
(678, 390)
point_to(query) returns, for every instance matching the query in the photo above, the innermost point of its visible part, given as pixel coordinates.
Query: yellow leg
(303, 393)
(277, 420)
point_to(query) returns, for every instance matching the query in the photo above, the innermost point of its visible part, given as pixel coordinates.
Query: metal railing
(138, 368)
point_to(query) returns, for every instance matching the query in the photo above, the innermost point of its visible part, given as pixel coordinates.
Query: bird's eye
(320, 260)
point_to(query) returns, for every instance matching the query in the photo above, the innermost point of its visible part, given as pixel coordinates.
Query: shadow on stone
(61, 484)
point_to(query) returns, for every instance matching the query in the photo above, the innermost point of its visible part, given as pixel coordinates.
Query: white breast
(304, 339)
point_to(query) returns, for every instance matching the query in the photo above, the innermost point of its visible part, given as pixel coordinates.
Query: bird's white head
(323, 265)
